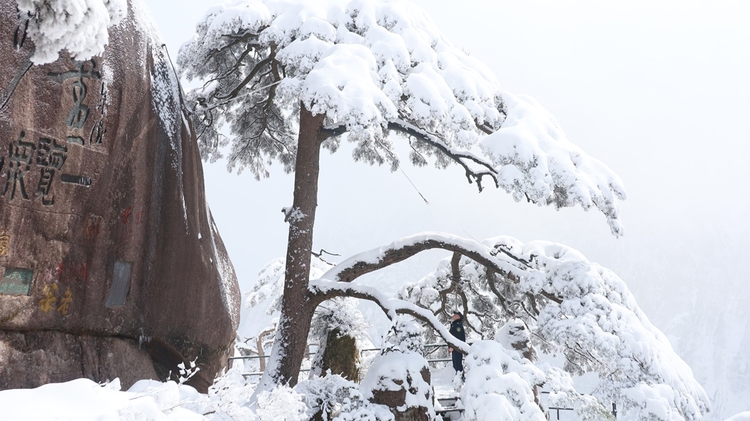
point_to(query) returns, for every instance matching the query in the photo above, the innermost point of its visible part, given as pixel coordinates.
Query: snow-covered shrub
(187, 371)
(499, 385)
(154, 400)
(282, 403)
(78, 26)
(405, 335)
(581, 311)
(401, 381)
(334, 398)
(229, 396)
(516, 335)
(341, 314)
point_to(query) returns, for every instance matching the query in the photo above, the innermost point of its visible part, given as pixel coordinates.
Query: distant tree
(285, 79)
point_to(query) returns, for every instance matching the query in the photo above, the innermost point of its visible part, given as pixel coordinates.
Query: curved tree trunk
(298, 304)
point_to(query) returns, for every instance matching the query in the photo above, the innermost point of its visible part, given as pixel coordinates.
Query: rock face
(110, 264)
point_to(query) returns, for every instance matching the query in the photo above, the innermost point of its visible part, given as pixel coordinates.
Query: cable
(435, 207)
(412, 184)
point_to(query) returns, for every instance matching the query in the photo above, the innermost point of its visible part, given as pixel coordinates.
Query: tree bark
(298, 304)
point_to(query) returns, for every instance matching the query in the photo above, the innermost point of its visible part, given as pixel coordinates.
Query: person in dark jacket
(457, 330)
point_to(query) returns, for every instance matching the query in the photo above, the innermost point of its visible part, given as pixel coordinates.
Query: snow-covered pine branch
(78, 26)
(399, 250)
(577, 309)
(391, 306)
(374, 67)
(571, 306)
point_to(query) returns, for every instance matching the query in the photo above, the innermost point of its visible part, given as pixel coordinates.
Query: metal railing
(434, 348)
(258, 357)
(557, 409)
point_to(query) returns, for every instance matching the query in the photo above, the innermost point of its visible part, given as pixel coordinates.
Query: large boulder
(110, 263)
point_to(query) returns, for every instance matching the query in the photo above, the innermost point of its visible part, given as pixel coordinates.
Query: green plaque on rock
(16, 281)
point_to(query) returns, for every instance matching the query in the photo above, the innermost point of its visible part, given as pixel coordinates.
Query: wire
(429, 205)
(415, 187)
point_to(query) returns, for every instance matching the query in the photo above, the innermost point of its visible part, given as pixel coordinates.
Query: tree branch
(325, 290)
(551, 297)
(401, 250)
(460, 158)
(466, 312)
(248, 78)
(334, 130)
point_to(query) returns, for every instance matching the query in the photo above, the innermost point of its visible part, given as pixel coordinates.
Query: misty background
(658, 91)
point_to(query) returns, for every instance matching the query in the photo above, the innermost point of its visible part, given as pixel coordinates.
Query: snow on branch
(581, 311)
(460, 157)
(571, 306)
(374, 67)
(78, 26)
(391, 306)
(400, 250)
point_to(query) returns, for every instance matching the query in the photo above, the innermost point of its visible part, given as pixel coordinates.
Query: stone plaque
(16, 281)
(120, 284)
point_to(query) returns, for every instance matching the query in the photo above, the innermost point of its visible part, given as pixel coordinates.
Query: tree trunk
(298, 305)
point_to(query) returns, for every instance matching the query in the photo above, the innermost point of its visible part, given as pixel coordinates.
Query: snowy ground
(84, 400)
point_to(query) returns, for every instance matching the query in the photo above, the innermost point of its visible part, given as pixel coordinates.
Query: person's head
(457, 316)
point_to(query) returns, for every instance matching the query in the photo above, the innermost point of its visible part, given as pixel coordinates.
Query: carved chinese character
(97, 133)
(45, 185)
(80, 112)
(50, 154)
(51, 157)
(19, 159)
(65, 302)
(93, 227)
(96, 137)
(4, 244)
(47, 303)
